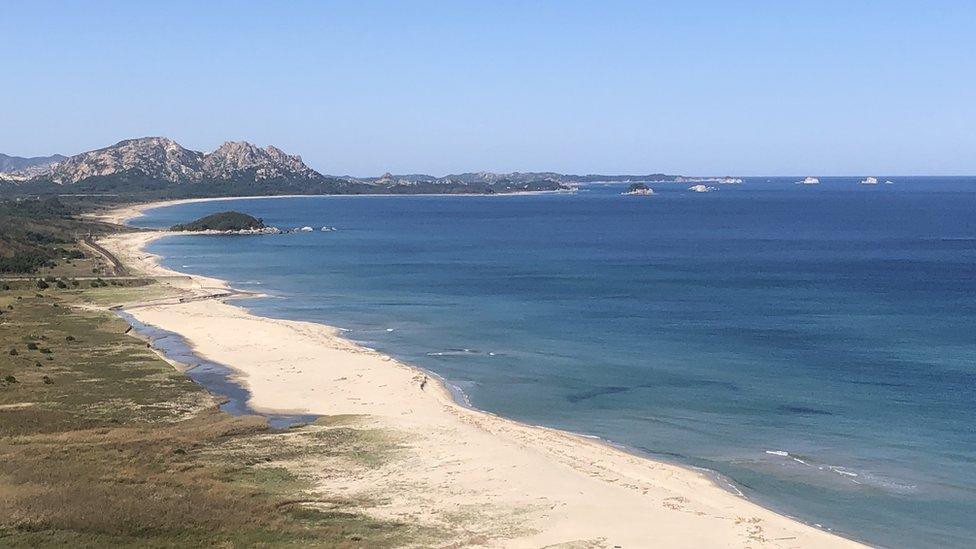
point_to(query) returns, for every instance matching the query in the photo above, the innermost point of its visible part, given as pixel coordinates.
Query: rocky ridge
(162, 159)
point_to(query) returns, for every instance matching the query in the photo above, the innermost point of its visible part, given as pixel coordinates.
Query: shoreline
(121, 215)
(666, 503)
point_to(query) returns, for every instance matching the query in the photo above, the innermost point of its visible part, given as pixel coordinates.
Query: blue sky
(761, 88)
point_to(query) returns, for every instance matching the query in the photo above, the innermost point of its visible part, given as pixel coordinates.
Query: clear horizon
(706, 88)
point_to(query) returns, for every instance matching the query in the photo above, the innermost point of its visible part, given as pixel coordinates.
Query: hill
(19, 168)
(222, 221)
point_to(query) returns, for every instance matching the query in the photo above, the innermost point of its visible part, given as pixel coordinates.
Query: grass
(102, 443)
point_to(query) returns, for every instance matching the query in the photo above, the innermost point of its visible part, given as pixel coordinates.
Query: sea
(814, 346)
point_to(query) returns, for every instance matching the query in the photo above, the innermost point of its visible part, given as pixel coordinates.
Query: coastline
(529, 486)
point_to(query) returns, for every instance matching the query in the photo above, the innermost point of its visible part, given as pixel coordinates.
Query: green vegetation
(105, 444)
(39, 234)
(222, 221)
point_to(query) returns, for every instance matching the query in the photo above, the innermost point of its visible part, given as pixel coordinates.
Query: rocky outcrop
(162, 159)
(19, 168)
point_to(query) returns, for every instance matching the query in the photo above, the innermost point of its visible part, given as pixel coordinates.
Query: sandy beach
(504, 483)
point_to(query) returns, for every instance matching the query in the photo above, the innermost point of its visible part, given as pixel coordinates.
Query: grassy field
(102, 443)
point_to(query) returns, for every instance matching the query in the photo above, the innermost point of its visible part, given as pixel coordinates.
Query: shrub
(74, 283)
(61, 285)
(46, 351)
(32, 346)
(13, 352)
(6, 287)
(69, 338)
(42, 284)
(47, 380)
(10, 379)
(37, 364)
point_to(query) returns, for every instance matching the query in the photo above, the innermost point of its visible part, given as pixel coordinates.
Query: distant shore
(527, 486)
(121, 215)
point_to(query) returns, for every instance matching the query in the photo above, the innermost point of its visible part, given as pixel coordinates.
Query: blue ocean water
(816, 345)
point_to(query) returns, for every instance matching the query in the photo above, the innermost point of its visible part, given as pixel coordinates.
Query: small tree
(42, 285)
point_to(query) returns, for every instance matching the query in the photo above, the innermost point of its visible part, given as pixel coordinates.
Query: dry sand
(503, 483)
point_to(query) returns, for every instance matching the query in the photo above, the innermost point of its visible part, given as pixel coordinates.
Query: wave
(458, 352)
(862, 478)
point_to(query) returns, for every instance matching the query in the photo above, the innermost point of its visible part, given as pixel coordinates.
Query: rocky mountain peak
(156, 157)
(267, 163)
(163, 159)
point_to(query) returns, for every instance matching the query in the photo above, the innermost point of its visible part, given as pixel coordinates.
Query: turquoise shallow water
(815, 345)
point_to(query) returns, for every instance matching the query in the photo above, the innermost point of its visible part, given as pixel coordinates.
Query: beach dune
(503, 483)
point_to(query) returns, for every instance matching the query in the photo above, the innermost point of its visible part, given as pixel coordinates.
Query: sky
(360, 88)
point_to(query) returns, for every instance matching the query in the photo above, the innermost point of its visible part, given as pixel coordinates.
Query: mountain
(236, 157)
(163, 160)
(158, 167)
(19, 168)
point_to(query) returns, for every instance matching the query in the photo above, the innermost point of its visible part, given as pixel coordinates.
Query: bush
(32, 346)
(61, 285)
(47, 380)
(24, 263)
(46, 351)
(6, 287)
(74, 283)
(10, 379)
(69, 338)
(13, 352)
(43, 285)
(37, 364)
